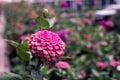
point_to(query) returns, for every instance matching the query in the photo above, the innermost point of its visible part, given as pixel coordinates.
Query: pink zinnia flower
(46, 46)
(70, 40)
(110, 24)
(18, 25)
(64, 4)
(104, 28)
(33, 23)
(21, 38)
(103, 22)
(106, 24)
(115, 63)
(104, 43)
(92, 46)
(62, 65)
(63, 34)
(87, 22)
(101, 65)
(79, 2)
(83, 74)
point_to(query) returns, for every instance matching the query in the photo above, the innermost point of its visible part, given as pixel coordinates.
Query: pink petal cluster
(18, 25)
(101, 65)
(83, 74)
(46, 46)
(33, 23)
(70, 40)
(92, 46)
(106, 24)
(110, 23)
(62, 65)
(115, 63)
(79, 2)
(104, 43)
(87, 22)
(21, 38)
(64, 4)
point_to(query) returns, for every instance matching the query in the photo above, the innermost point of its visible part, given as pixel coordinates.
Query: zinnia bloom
(83, 74)
(106, 24)
(79, 2)
(110, 24)
(87, 22)
(70, 40)
(21, 38)
(115, 63)
(104, 43)
(64, 4)
(46, 46)
(18, 25)
(32, 22)
(92, 46)
(62, 65)
(63, 34)
(101, 65)
(103, 23)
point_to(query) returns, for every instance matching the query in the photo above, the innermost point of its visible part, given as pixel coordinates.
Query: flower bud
(45, 13)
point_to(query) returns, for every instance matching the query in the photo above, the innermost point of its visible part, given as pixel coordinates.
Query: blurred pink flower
(110, 24)
(104, 43)
(115, 63)
(83, 74)
(106, 24)
(63, 34)
(69, 31)
(62, 65)
(70, 40)
(46, 46)
(101, 65)
(103, 22)
(33, 23)
(87, 22)
(63, 4)
(21, 38)
(18, 25)
(79, 2)
(92, 46)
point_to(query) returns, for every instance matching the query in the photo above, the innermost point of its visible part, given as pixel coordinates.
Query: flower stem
(38, 65)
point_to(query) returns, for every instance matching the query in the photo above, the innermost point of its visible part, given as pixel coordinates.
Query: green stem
(38, 65)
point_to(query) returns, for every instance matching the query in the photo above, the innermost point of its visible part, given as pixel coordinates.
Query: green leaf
(24, 41)
(44, 70)
(66, 58)
(96, 73)
(36, 75)
(42, 23)
(99, 51)
(23, 52)
(51, 21)
(9, 76)
(12, 43)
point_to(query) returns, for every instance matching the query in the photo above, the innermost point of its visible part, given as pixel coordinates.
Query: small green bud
(45, 12)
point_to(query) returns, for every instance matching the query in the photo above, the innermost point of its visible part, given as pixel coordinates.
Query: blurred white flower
(118, 68)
